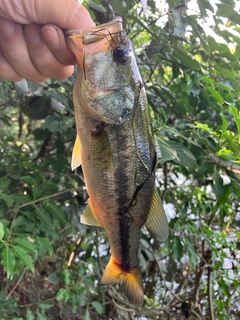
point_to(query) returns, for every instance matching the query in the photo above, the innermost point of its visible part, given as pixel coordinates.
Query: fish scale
(115, 146)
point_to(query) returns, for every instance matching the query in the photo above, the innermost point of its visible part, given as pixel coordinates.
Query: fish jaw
(107, 84)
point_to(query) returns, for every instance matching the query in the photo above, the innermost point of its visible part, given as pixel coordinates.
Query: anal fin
(156, 222)
(89, 218)
(76, 154)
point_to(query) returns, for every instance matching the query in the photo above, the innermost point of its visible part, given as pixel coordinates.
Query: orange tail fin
(130, 282)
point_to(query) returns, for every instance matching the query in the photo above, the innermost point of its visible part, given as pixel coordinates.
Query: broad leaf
(186, 60)
(24, 257)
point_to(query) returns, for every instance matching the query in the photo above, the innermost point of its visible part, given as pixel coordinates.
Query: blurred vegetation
(50, 265)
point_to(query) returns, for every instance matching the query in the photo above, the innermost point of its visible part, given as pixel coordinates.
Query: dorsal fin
(156, 222)
(76, 154)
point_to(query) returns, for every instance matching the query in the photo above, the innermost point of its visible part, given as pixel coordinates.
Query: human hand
(32, 42)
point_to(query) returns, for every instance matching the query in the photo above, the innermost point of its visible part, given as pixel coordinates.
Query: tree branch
(227, 165)
(211, 315)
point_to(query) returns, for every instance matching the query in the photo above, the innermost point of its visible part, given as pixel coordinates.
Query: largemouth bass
(115, 146)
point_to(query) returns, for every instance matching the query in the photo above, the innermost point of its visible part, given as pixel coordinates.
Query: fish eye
(121, 54)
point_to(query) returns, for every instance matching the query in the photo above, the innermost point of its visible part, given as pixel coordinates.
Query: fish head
(108, 78)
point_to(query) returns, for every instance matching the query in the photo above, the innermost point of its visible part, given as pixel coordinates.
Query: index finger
(67, 14)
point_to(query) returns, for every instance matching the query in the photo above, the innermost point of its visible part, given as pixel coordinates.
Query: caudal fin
(130, 282)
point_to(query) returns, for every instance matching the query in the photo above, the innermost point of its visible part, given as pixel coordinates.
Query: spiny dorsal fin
(76, 154)
(88, 217)
(156, 222)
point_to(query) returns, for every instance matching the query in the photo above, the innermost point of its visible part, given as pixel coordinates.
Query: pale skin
(32, 40)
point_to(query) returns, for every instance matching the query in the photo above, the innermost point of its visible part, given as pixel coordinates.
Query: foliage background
(188, 54)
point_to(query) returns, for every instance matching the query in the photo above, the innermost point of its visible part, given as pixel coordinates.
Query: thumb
(67, 14)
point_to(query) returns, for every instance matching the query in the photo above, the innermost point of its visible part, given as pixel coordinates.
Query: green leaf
(58, 213)
(45, 305)
(29, 315)
(220, 305)
(61, 294)
(167, 153)
(26, 245)
(1, 231)
(218, 185)
(24, 257)
(98, 7)
(41, 315)
(45, 218)
(199, 32)
(236, 115)
(184, 155)
(192, 253)
(225, 10)
(205, 4)
(98, 307)
(216, 95)
(7, 304)
(179, 23)
(177, 248)
(7, 199)
(8, 261)
(46, 244)
(4, 182)
(186, 60)
(87, 315)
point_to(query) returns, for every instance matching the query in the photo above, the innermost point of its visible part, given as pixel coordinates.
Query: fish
(115, 147)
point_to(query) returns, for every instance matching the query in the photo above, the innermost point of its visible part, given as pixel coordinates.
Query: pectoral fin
(88, 217)
(76, 154)
(156, 222)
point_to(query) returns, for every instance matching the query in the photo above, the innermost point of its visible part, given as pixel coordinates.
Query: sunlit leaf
(186, 60)
(215, 94)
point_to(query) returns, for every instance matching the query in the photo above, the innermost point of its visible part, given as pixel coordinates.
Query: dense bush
(50, 263)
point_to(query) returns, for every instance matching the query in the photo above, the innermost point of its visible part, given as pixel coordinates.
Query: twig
(197, 315)
(121, 307)
(211, 315)
(42, 199)
(227, 165)
(150, 23)
(14, 288)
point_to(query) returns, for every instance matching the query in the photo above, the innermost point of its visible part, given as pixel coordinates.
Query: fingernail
(33, 35)
(51, 36)
(7, 27)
